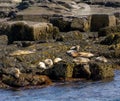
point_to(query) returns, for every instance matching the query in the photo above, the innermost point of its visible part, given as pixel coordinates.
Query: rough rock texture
(62, 70)
(26, 80)
(69, 36)
(112, 39)
(109, 30)
(29, 31)
(82, 24)
(101, 70)
(100, 21)
(62, 23)
(82, 71)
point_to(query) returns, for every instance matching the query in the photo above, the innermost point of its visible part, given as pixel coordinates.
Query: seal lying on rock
(81, 60)
(21, 52)
(42, 65)
(101, 59)
(48, 62)
(15, 72)
(86, 54)
(56, 60)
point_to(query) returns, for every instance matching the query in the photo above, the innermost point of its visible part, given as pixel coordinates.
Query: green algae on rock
(26, 80)
(81, 24)
(101, 71)
(109, 30)
(113, 38)
(30, 31)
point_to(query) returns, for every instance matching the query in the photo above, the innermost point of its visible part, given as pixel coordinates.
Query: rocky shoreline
(38, 50)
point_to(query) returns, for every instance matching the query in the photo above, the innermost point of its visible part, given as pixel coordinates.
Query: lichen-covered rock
(111, 39)
(117, 53)
(82, 71)
(30, 31)
(101, 71)
(102, 20)
(81, 24)
(109, 30)
(70, 36)
(62, 70)
(117, 15)
(26, 80)
(116, 49)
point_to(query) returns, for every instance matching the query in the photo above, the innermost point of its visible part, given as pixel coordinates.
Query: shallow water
(77, 91)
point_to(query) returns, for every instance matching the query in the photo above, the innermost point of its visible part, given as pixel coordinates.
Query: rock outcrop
(29, 31)
(102, 20)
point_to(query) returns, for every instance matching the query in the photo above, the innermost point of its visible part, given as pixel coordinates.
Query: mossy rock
(117, 53)
(111, 39)
(101, 71)
(29, 31)
(109, 30)
(14, 82)
(82, 71)
(81, 24)
(62, 70)
(70, 36)
(26, 80)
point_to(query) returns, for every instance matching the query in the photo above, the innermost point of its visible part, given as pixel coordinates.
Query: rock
(86, 54)
(109, 30)
(115, 51)
(82, 71)
(48, 63)
(81, 60)
(112, 4)
(101, 71)
(56, 60)
(71, 36)
(13, 82)
(117, 15)
(81, 24)
(29, 31)
(111, 39)
(24, 43)
(99, 21)
(62, 70)
(26, 80)
(14, 72)
(62, 23)
(101, 59)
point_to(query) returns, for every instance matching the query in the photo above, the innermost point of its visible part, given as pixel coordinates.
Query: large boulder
(82, 24)
(62, 70)
(102, 20)
(82, 71)
(30, 31)
(62, 23)
(101, 71)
